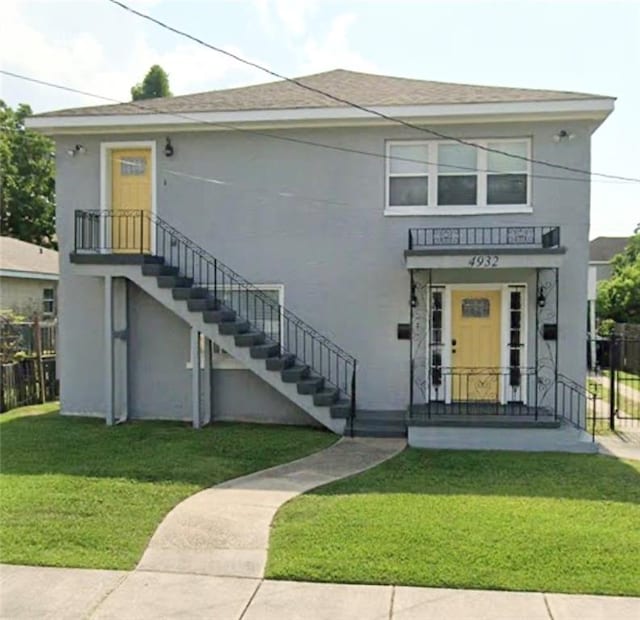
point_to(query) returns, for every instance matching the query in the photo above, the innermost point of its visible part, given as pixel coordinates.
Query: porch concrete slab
(436, 603)
(276, 600)
(224, 530)
(584, 607)
(149, 596)
(37, 592)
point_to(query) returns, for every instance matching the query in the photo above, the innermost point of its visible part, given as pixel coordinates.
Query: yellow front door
(475, 345)
(129, 224)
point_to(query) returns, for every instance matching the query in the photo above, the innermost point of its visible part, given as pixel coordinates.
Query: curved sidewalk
(224, 531)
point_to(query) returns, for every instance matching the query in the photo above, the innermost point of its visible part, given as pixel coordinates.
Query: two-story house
(431, 274)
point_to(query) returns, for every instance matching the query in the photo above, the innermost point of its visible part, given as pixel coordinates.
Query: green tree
(619, 297)
(27, 179)
(155, 84)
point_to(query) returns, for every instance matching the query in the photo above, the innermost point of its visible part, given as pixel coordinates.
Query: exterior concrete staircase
(292, 357)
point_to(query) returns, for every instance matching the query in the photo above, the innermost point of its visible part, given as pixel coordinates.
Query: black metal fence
(136, 231)
(20, 384)
(616, 381)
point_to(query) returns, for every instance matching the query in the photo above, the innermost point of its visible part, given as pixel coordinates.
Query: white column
(195, 378)
(108, 350)
(592, 332)
(120, 345)
(208, 387)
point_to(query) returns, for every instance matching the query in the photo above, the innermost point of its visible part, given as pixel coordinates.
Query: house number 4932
(483, 260)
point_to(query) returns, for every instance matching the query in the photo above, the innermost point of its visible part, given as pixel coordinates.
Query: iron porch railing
(140, 232)
(543, 237)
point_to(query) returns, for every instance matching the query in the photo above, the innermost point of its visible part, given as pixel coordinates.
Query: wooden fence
(20, 384)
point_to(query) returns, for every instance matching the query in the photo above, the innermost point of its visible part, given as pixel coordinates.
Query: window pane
(503, 163)
(456, 158)
(457, 190)
(417, 152)
(408, 191)
(507, 189)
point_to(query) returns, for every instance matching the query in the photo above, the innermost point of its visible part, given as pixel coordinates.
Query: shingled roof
(603, 249)
(16, 255)
(363, 88)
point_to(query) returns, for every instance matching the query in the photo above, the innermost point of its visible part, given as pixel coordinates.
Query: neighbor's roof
(16, 255)
(363, 88)
(603, 249)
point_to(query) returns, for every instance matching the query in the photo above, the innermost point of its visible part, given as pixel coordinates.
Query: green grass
(542, 522)
(77, 493)
(633, 381)
(627, 404)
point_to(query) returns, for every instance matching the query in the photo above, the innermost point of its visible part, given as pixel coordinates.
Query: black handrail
(135, 231)
(485, 236)
(574, 399)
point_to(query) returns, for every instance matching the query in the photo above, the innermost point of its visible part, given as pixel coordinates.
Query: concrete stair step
(264, 351)
(341, 409)
(202, 305)
(199, 292)
(378, 432)
(174, 282)
(181, 292)
(311, 385)
(325, 398)
(218, 316)
(230, 328)
(293, 374)
(280, 363)
(248, 339)
(158, 269)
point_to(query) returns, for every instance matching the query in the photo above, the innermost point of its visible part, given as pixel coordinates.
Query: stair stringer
(165, 297)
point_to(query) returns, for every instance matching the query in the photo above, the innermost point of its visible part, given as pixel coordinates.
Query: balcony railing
(541, 237)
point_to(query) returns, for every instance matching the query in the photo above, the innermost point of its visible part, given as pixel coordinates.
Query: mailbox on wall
(404, 331)
(550, 331)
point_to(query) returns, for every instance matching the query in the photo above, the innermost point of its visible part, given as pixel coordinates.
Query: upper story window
(48, 301)
(437, 177)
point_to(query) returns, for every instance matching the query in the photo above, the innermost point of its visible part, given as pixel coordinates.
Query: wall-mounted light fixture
(563, 135)
(541, 299)
(168, 148)
(77, 149)
(413, 302)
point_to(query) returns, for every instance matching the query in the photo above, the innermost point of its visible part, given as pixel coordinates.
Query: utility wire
(362, 108)
(228, 126)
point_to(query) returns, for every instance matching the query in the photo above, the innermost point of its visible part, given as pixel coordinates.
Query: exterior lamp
(541, 299)
(78, 149)
(168, 148)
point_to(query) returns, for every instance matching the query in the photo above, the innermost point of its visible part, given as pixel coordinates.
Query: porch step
(181, 292)
(198, 292)
(378, 431)
(294, 374)
(230, 328)
(190, 292)
(375, 423)
(202, 305)
(217, 316)
(174, 282)
(280, 363)
(158, 269)
(264, 351)
(341, 409)
(325, 398)
(311, 385)
(249, 339)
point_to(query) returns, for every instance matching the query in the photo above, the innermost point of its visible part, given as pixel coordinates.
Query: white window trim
(222, 361)
(482, 208)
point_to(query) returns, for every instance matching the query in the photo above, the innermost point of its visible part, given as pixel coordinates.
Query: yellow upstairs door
(475, 331)
(129, 224)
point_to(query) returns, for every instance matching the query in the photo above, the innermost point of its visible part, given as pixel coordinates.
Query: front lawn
(76, 493)
(495, 520)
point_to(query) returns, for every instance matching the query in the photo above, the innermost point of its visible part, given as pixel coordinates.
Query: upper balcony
(483, 247)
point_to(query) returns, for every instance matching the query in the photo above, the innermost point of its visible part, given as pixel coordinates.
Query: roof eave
(596, 109)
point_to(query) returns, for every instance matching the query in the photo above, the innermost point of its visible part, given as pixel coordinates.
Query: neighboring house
(28, 278)
(454, 275)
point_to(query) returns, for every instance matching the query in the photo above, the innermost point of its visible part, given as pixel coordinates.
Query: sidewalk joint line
(246, 607)
(91, 613)
(546, 604)
(393, 600)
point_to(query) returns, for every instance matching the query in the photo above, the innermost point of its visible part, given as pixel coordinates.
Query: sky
(583, 46)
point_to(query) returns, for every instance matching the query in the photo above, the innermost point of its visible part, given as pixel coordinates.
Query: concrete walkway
(224, 531)
(72, 594)
(621, 444)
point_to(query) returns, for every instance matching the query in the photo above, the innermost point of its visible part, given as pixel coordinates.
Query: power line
(362, 108)
(343, 149)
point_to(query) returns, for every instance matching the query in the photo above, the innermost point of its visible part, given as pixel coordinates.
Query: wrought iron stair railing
(140, 232)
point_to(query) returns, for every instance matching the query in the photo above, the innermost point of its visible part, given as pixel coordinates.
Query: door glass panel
(133, 166)
(477, 308)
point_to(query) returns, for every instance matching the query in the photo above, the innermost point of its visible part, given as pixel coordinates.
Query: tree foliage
(619, 297)
(27, 179)
(155, 84)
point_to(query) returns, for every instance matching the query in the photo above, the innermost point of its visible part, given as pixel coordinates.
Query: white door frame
(105, 180)
(504, 288)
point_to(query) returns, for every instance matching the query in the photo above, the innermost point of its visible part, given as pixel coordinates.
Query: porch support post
(195, 378)
(412, 301)
(592, 332)
(536, 385)
(208, 383)
(108, 350)
(120, 349)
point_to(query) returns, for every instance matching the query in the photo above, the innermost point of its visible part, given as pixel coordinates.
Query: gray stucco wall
(341, 261)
